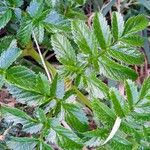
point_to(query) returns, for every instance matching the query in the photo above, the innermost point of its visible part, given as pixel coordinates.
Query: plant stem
(41, 57)
(30, 51)
(82, 97)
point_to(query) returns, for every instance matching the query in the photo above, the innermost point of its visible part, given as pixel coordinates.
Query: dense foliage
(67, 98)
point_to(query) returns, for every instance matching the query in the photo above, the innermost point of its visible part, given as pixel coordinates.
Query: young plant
(87, 55)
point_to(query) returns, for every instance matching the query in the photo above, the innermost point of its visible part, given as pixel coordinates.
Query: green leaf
(93, 142)
(26, 97)
(67, 139)
(135, 24)
(15, 112)
(83, 37)
(10, 55)
(41, 116)
(25, 31)
(133, 40)
(54, 18)
(101, 30)
(129, 128)
(81, 2)
(142, 115)
(145, 3)
(35, 8)
(75, 14)
(18, 13)
(120, 143)
(55, 22)
(126, 54)
(39, 19)
(60, 91)
(114, 130)
(145, 89)
(44, 146)
(16, 3)
(103, 112)
(117, 100)
(83, 99)
(57, 87)
(42, 84)
(115, 71)
(63, 49)
(6, 40)
(131, 93)
(99, 132)
(94, 82)
(54, 86)
(22, 143)
(3, 146)
(32, 128)
(39, 33)
(97, 137)
(22, 77)
(5, 18)
(51, 136)
(117, 25)
(76, 117)
(16, 116)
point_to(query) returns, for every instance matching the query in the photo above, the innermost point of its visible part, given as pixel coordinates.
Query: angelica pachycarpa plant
(87, 55)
